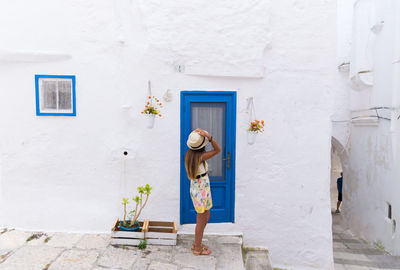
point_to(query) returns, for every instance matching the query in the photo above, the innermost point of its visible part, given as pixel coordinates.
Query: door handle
(229, 160)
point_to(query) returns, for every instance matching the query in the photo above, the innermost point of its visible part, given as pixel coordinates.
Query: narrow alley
(352, 253)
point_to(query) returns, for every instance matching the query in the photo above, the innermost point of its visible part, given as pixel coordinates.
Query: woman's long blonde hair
(192, 162)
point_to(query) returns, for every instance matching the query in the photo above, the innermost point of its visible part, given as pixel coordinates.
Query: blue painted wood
(38, 112)
(223, 192)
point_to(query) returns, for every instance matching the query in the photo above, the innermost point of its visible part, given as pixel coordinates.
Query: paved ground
(351, 253)
(20, 250)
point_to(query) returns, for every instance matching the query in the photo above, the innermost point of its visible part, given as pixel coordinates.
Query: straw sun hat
(196, 141)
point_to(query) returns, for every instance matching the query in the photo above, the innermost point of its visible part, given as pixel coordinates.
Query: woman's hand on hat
(203, 133)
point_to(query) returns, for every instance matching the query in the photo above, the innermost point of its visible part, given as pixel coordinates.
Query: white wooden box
(127, 238)
(155, 232)
(161, 233)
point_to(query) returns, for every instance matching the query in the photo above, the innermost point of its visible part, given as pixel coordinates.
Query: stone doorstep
(226, 251)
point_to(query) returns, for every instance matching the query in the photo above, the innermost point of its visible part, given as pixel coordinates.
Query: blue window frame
(55, 95)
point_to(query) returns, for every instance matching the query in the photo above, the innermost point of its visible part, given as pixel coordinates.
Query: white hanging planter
(251, 137)
(150, 120)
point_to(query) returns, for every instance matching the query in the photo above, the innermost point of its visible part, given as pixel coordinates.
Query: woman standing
(200, 192)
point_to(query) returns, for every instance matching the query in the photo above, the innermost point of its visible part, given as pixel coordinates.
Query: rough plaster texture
(231, 43)
(369, 185)
(69, 173)
(371, 172)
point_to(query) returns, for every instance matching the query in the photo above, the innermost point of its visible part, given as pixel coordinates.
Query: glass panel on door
(211, 116)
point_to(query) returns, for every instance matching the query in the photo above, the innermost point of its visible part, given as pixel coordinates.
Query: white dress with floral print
(200, 191)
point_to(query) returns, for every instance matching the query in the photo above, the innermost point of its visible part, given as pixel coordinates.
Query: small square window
(55, 95)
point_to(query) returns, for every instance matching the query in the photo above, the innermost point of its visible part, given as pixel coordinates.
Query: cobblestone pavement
(351, 253)
(21, 250)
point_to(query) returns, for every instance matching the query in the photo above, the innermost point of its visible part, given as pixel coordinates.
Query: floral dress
(200, 191)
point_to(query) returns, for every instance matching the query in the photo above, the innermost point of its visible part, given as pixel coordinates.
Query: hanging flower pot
(251, 137)
(151, 110)
(255, 127)
(150, 120)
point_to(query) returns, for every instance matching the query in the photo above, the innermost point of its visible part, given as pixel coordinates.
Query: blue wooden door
(215, 112)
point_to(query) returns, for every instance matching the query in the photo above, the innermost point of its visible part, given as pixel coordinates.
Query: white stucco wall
(372, 180)
(370, 185)
(69, 173)
(344, 30)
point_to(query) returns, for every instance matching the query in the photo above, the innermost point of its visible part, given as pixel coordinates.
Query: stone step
(227, 248)
(256, 259)
(230, 252)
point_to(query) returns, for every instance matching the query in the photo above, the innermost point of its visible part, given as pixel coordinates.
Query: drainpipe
(395, 123)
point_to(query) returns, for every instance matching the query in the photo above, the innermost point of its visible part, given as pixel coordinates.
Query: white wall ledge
(8, 56)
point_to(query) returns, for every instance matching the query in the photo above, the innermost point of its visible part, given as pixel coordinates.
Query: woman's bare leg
(206, 221)
(207, 212)
(200, 225)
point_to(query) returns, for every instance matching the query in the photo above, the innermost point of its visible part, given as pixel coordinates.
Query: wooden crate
(161, 233)
(127, 238)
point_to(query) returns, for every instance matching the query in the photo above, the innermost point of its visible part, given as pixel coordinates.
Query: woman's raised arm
(215, 145)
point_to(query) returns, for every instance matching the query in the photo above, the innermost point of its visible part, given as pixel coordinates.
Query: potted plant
(256, 127)
(130, 231)
(151, 110)
(133, 224)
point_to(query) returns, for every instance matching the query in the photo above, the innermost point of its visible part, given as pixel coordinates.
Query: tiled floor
(351, 253)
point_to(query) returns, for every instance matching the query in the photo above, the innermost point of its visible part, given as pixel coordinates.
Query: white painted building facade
(69, 173)
(369, 139)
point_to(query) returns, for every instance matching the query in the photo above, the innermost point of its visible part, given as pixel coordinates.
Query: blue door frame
(222, 214)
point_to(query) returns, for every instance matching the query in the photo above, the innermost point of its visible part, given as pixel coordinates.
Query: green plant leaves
(138, 200)
(125, 201)
(142, 244)
(147, 188)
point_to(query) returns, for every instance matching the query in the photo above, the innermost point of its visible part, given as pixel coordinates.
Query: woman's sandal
(203, 246)
(203, 251)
